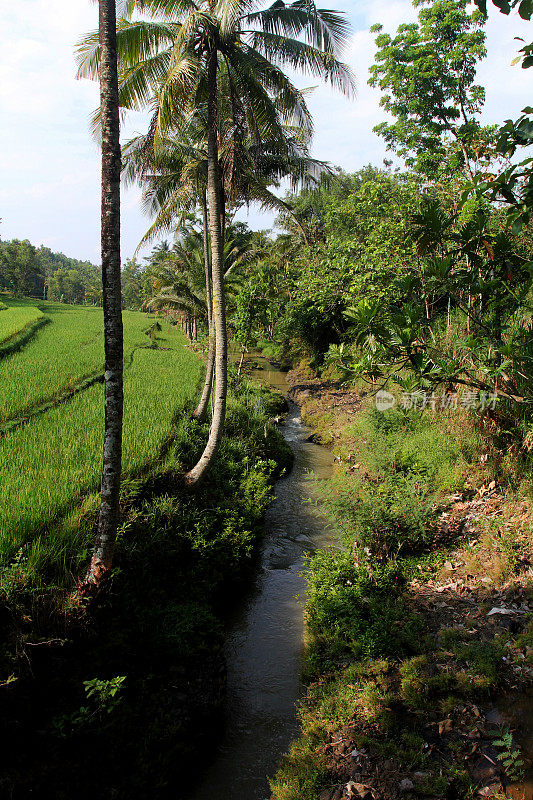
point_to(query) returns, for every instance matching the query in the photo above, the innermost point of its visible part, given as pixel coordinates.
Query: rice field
(15, 318)
(67, 351)
(49, 463)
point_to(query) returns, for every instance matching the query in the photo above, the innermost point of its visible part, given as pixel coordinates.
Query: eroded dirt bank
(420, 660)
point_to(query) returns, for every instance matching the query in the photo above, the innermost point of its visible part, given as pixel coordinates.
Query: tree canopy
(427, 72)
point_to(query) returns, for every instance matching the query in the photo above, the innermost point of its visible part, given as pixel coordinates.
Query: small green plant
(12, 575)
(152, 333)
(105, 693)
(103, 697)
(510, 755)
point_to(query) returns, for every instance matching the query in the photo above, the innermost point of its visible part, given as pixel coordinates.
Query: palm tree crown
(225, 56)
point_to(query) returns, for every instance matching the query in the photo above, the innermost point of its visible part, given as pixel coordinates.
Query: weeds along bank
(135, 686)
(420, 624)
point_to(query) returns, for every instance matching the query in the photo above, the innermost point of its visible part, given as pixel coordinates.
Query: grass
(181, 557)
(67, 350)
(46, 465)
(376, 672)
(408, 464)
(15, 318)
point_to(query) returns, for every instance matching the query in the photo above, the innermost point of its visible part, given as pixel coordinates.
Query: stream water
(266, 634)
(265, 642)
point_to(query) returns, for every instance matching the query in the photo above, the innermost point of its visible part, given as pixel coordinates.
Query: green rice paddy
(65, 352)
(15, 318)
(48, 464)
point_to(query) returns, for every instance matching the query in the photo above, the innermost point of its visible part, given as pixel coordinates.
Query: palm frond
(305, 58)
(325, 29)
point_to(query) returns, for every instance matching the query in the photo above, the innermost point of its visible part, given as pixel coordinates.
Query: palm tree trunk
(112, 301)
(245, 343)
(200, 411)
(243, 351)
(198, 472)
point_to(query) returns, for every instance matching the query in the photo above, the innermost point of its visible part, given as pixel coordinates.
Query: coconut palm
(183, 57)
(112, 301)
(174, 179)
(179, 281)
(174, 182)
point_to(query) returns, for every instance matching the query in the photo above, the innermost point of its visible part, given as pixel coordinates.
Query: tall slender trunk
(245, 343)
(113, 342)
(200, 411)
(243, 351)
(198, 472)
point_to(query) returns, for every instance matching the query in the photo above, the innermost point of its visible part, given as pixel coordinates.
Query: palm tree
(189, 55)
(174, 177)
(179, 282)
(112, 301)
(174, 181)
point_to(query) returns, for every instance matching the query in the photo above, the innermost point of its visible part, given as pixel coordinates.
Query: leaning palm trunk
(198, 472)
(243, 351)
(201, 409)
(112, 461)
(244, 346)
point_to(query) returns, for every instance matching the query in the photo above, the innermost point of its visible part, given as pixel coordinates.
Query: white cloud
(49, 165)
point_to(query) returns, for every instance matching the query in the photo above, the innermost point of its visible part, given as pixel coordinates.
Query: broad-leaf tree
(427, 72)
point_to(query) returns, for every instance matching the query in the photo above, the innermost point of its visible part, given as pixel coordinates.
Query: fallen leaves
(445, 726)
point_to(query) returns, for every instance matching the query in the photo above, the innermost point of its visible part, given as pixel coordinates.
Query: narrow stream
(265, 643)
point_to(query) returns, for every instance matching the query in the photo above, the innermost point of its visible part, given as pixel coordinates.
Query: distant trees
(66, 286)
(40, 272)
(21, 271)
(135, 288)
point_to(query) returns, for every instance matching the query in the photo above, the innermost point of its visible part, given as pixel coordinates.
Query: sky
(49, 163)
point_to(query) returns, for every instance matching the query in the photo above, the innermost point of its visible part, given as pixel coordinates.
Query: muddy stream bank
(265, 642)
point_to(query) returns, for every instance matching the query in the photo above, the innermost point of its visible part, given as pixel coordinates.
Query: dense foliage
(427, 72)
(421, 276)
(416, 279)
